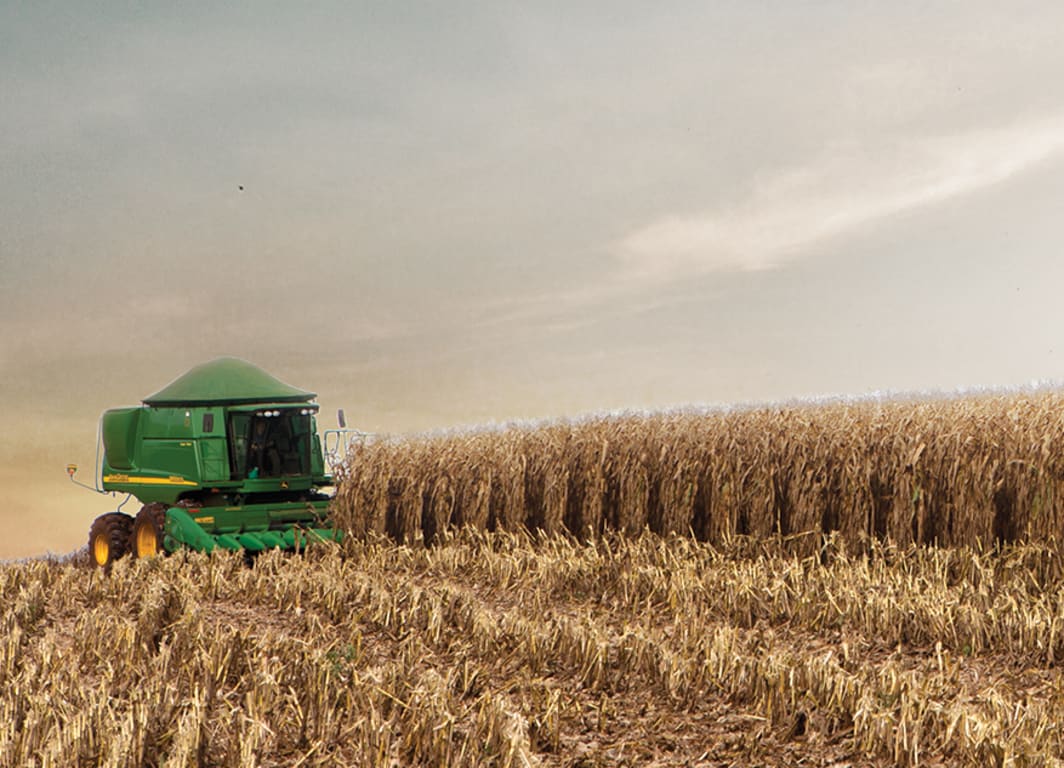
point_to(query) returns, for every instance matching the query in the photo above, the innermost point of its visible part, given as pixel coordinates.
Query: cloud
(785, 215)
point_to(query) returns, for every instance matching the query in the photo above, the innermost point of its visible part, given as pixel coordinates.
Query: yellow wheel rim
(101, 550)
(147, 542)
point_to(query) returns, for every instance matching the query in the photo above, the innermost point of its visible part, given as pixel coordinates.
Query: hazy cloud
(851, 186)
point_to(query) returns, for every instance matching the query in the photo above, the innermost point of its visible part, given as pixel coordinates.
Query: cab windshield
(270, 443)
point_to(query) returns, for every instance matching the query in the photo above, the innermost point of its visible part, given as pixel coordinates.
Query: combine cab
(226, 456)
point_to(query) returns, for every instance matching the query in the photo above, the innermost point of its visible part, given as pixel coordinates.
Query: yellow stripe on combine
(172, 480)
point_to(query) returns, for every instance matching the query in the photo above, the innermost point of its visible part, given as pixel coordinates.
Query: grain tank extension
(226, 456)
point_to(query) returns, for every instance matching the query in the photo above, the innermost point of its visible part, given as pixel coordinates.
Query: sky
(446, 214)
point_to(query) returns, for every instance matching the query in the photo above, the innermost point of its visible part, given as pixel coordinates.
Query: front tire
(149, 528)
(109, 538)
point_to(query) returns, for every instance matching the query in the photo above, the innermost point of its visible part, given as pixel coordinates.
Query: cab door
(213, 450)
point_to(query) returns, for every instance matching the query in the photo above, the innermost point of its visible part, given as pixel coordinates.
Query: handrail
(97, 482)
(338, 443)
(97, 465)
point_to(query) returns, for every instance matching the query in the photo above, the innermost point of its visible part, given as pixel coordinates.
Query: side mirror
(340, 419)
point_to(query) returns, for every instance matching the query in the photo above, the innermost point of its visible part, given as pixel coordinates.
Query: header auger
(224, 457)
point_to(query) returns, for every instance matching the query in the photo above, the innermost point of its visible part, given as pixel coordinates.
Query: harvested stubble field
(501, 649)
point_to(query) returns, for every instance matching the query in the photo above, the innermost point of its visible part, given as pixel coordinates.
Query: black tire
(109, 538)
(149, 527)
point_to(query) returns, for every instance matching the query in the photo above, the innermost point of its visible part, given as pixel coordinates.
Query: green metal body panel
(164, 454)
(119, 427)
(230, 441)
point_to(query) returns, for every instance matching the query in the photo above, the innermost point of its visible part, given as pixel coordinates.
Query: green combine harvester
(226, 456)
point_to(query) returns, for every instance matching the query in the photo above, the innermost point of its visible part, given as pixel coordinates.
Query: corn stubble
(514, 650)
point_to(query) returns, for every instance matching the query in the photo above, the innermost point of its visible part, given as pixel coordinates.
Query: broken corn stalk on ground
(517, 650)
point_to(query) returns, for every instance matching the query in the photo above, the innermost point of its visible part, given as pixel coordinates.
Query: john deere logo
(284, 484)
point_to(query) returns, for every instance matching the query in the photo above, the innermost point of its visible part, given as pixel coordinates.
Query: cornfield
(513, 650)
(851, 584)
(951, 472)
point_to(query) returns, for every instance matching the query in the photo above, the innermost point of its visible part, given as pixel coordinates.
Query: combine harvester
(226, 456)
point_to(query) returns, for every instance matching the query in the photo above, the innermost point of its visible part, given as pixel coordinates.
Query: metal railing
(97, 464)
(340, 443)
